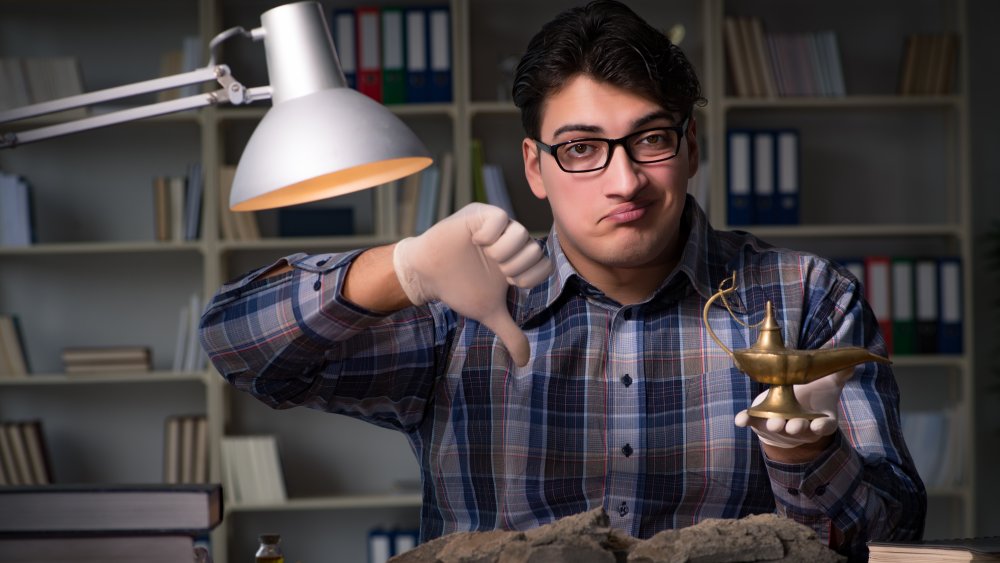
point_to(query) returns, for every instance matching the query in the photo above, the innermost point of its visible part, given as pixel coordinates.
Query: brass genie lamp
(768, 361)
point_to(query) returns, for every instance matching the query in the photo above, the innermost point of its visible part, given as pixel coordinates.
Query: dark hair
(611, 43)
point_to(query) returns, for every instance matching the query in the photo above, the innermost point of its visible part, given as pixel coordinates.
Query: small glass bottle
(270, 549)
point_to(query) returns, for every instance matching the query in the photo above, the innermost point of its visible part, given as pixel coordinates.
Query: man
(534, 385)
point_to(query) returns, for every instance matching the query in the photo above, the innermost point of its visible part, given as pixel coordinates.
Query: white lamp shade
(321, 145)
(320, 139)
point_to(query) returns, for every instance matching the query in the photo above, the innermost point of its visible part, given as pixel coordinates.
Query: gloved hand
(821, 395)
(468, 260)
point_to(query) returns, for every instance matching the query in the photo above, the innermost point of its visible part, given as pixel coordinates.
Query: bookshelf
(97, 277)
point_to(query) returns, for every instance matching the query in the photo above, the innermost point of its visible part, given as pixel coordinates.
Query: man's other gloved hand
(468, 261)
(822, 395)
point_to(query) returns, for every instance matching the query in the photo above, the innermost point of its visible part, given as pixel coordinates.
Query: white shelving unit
(97, 277)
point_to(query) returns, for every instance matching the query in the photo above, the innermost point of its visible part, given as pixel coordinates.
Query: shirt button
(321, 262)
(627, 450)
(317, 285)
(622, 509)
(628, 314)
(820, 490)
(626, 380)
(793, 491)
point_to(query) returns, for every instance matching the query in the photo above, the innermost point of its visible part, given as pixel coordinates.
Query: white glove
(821, 395)
(468, 261)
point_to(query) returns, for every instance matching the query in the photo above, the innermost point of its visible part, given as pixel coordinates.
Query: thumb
(510, 334)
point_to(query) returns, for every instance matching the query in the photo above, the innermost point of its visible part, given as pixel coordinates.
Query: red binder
(369, 52)
(878, 292)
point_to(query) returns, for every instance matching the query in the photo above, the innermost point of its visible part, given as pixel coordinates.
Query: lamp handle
(704, 315)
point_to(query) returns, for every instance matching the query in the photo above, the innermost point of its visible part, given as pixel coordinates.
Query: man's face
(626, 215)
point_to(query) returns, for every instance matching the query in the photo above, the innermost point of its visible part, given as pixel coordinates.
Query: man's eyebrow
(577, 127)
(656, 115)
(585, 128)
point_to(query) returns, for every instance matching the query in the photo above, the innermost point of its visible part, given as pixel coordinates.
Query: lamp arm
(232, 92)
(118, 92)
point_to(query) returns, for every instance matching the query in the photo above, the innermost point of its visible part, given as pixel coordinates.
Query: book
(24, 457)
(252, 469)
(110, 508)
(117, 549)
(106, 354)
(103, 359)
(496, 189)
(194, 188)
(447, 186)
(737, 58)
(960, 549)
(13, 358)
(161, 209)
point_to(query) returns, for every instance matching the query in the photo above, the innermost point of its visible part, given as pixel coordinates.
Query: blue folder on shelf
(739, 193)
(787, 158)
(439, 55)
(950, 311)
(345, 41)
(417, 56)
(764, 181)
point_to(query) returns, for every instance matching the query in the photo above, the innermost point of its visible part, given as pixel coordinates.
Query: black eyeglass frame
(681, 131)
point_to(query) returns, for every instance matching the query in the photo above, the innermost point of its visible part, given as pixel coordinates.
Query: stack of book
(781, 64)
(104, 359)
(24, 459)
(122, 523)
(959, 549)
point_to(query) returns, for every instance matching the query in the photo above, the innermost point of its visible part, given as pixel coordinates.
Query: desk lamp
(319, 139)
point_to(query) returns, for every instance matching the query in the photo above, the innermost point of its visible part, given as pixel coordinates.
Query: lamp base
(780, 402)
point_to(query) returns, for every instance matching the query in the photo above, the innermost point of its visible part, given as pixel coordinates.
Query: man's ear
(533, 167)
(694, 151)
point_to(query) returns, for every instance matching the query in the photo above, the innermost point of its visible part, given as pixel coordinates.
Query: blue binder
(345, 41)
(927, 310)
(417, 56)
(787, 159)
(439, 55)
(764, 181)
(739, 191)
(950, 310)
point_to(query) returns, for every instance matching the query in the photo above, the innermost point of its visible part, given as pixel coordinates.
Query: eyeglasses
(643, 147)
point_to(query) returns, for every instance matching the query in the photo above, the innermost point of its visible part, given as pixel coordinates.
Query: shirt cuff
(324, 310)
(816, 490)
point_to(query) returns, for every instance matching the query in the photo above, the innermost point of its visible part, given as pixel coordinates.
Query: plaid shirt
(630, 408)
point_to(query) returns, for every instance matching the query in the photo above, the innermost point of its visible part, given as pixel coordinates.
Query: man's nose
(622, 175)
